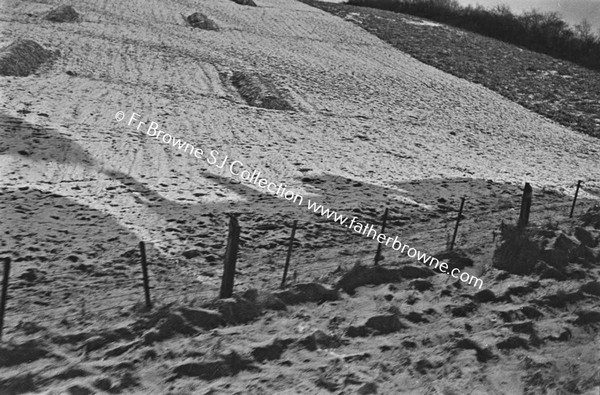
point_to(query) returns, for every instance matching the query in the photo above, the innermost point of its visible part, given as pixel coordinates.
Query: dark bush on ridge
(540, 32)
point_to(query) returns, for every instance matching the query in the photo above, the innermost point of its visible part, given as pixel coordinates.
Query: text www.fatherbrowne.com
(370, 231)
(237, 169)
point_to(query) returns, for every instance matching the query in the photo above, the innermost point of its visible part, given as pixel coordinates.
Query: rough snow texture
(79, 190)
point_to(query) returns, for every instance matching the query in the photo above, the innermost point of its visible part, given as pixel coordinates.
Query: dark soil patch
(455, 259)
(227, 365)
(362, 275)
(245, 2)
(307, 293)
(519, 251)
(20, 384)
(15, 354)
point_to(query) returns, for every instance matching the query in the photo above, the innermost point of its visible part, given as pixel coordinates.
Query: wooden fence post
(230, 258)
(145, 274)
(383, 222)
(575, 199)
(4, 293)
(460, 210)
(289, 254)
(525, 207)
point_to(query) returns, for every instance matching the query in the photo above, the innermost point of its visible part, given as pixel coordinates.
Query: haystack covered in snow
(64, 13)
(258, 91)
(22, 58)
(201, 21)
(246, 2)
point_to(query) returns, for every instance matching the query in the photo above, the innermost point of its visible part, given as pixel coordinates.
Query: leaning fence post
(525, 207)
(575, 199)
(230, 258)
(4, 293)
(145, 274)
(460, 210)
(384, 220)
(289, 254)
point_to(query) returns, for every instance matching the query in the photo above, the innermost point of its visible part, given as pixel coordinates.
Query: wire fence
(312, 260)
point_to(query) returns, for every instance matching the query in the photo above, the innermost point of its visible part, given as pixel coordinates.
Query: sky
(572, 11)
